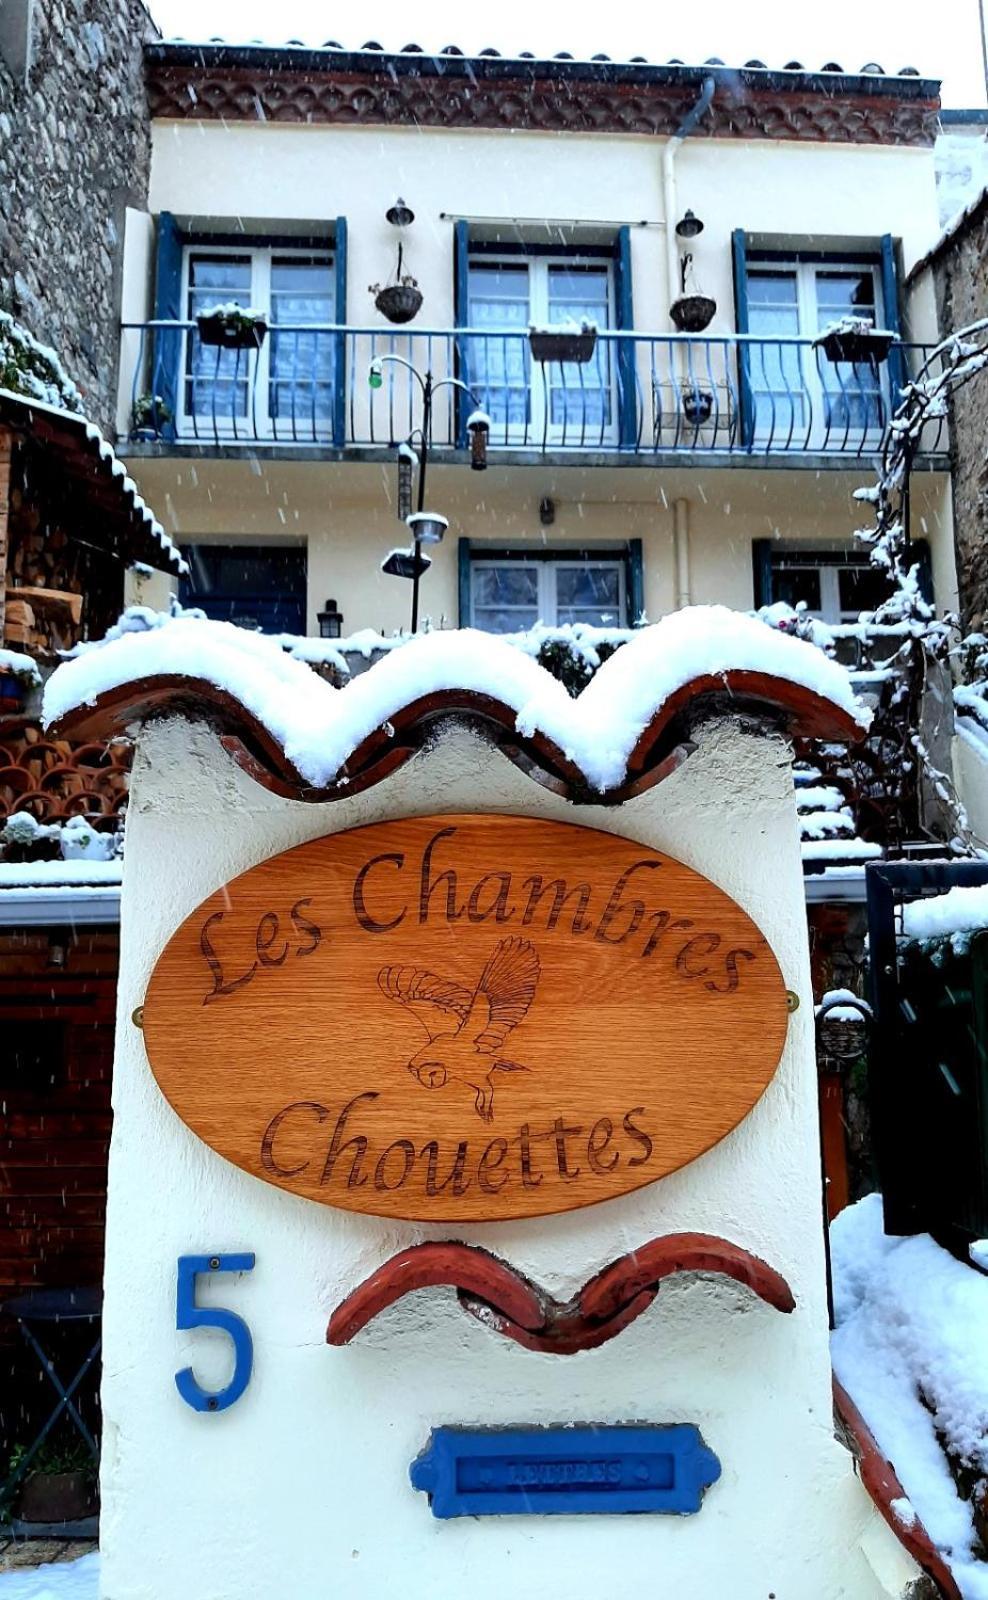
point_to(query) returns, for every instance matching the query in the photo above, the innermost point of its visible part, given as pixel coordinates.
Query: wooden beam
(6, 454)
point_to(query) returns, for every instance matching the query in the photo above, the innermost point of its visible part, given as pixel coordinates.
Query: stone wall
(961, 272)
(74, 153)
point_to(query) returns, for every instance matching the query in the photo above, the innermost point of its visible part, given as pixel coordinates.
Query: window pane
(216, 380)
(580, 394)
(796, 585)
(499, 367)
(776, 372)
(589, 594)
(853, 399)
(511, 585)
(861, 588)
(302, 362)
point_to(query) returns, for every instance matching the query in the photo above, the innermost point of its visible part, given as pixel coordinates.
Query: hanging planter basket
(855, 342)
(399, 302)
(691, 313)
(697, 406)
(563, 344)
(232, 330)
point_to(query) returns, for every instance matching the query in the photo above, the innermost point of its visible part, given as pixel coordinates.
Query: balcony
(643, 399)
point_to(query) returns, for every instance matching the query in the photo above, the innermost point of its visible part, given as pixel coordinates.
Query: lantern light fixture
(689, 226)
(426, 527)
(400, 215)
(330, 621)
(409, 563)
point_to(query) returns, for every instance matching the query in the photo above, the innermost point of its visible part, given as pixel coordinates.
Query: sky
(942, 40)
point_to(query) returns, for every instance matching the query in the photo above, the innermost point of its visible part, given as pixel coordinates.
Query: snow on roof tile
(308, 738)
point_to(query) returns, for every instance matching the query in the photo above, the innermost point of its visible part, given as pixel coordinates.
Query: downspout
(684, 130)
(681, 542)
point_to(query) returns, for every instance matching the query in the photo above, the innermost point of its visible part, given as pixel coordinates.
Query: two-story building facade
(670, 467)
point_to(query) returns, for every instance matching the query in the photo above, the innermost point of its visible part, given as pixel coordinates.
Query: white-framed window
(797, 393)
(567, 402)
(284, 390)
(835, 586)
(510, 593)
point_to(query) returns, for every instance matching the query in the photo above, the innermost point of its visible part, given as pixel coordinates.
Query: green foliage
(31, 369)
(572, 663)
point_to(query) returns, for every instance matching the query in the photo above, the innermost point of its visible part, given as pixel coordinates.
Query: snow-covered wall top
(313, 735)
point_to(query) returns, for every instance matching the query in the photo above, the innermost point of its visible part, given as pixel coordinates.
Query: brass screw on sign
(137, 1017)
(792, 1000)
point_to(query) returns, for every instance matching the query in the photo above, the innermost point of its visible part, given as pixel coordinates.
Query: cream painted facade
(260, 181)
(328, 1434)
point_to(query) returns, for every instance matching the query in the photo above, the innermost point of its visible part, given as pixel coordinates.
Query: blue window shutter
(627, 409)
(167, 353)
(746, 409)
(339, 361)
(461, 318)
(463, 560)
(635, 582)
(892, 316)
(761, 560)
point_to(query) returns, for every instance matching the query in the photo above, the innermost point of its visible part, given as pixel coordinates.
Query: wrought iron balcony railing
(641, 395)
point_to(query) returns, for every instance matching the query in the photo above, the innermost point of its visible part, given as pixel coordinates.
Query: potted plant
(151, 414)
(564, 341)
(691, 311)
(697, 406)
(232, 327)
(856, 340)
(401, 300)
(60, 1485)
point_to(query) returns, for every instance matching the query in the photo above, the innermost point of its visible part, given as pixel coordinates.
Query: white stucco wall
(301, 1489)
(838, 195)
(345, 516)
(970, 762)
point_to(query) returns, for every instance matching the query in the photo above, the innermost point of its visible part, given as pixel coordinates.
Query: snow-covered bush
(32, 369)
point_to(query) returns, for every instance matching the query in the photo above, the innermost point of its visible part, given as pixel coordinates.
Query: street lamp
(425, 527)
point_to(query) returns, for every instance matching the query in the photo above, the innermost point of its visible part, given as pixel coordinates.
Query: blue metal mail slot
(477, 1472)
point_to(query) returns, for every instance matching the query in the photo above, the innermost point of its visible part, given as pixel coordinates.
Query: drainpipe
(681, 540)
(670, 208)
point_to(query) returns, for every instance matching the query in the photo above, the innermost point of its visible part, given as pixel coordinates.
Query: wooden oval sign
(465, 1018)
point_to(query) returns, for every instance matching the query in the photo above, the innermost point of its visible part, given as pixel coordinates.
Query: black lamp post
(425, 527)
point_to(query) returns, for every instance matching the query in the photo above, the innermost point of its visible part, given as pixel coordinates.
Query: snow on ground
(319, 726)
(60, 1580)
(911, 1349)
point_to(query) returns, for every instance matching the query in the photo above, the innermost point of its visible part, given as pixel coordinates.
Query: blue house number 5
(190, 1315)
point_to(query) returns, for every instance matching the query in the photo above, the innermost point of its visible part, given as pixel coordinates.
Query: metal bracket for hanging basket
(691, 313)
(564, 344)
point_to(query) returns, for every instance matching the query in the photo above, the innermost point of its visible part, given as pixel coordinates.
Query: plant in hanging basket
(151, 414)
(697, 406)
(400, 301)
(564, 341)
(232, 327)
(855, 339)
(691, 313)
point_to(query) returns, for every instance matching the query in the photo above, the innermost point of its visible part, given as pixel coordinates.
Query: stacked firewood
(43, 599)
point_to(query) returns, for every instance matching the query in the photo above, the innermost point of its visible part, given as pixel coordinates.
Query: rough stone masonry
(74, 153)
